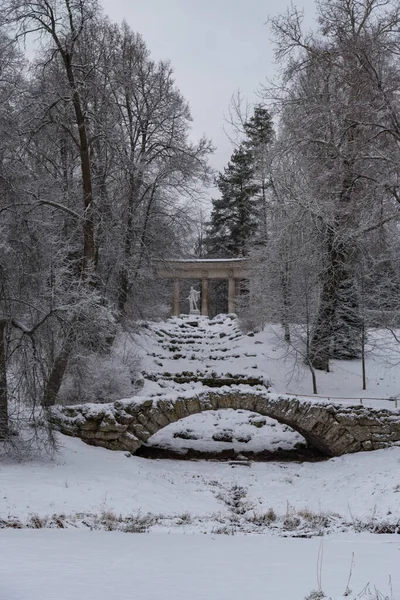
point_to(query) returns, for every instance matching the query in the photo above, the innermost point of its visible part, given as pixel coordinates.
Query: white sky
(215, 47)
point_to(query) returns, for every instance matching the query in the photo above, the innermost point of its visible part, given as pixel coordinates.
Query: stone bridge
(333, 429)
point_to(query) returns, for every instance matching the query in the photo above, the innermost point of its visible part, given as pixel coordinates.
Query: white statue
(193, 298)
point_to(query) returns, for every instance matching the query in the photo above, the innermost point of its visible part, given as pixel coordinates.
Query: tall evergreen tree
(233, 217)
(260, 135)
(241, 209)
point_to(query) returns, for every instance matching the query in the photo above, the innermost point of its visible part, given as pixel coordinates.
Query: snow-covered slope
(186, 353)
(217, 346)
(350, 492)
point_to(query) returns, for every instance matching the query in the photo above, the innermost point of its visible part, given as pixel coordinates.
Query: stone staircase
(188, 352)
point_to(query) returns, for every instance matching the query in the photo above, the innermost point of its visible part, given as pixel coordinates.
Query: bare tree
(61, 24)
(155, 155)
(337, 105)
(96, 119)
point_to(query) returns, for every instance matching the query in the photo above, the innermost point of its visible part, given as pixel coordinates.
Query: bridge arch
(316, 425)
(332, 429)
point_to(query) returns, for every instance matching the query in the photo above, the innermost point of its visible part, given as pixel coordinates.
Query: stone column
(231, 295)
(237, 288)
(176, 311)
(204, 297)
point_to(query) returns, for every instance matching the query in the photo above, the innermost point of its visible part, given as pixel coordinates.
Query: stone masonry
(332, 429)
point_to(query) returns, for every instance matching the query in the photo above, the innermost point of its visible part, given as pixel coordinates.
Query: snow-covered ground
(217, 430)
(289, 374)
(87, 489)
(77, 516)
(76, 565)
(83, 480)
(210, 349)
(348, 493)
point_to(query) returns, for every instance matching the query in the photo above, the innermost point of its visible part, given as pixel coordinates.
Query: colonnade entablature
(232, 269)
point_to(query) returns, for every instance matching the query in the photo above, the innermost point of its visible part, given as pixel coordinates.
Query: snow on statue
(193, 298)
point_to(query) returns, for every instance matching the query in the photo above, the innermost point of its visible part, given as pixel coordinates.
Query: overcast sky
(215, 47)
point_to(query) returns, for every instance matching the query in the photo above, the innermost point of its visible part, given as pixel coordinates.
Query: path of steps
(190, 352)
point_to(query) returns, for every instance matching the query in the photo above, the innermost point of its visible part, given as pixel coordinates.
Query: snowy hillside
(185, 354)
(217, 347)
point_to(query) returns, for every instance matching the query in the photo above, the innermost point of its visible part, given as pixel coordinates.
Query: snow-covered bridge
(331, 428)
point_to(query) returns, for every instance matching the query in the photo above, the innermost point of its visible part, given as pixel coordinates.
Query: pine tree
(233, 219)
(241, 209)
(259, 129)
(260, 135)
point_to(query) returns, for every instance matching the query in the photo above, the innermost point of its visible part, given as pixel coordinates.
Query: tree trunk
(323, 328)
(3, 384)
(123, 287)
(314, 379)
(285, 286)
(89, 247)
(143, 235)
(320, 345)
(135, 185)
(57, 373)
(124, 279)
(364, 372)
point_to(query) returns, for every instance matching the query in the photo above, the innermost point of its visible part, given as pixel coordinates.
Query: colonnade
(203, 270)
(233, 292)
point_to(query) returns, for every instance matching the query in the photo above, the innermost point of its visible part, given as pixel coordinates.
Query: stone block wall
(331, 428)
